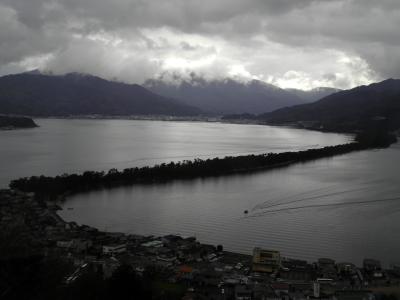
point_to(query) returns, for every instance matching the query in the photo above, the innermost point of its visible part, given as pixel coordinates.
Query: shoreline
(186, 260)
(52, 187)
(36, 216)
(192, 119)
(18, 203)
(12, 122)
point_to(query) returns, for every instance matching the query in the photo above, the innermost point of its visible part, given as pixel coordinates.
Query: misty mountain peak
(230, 95)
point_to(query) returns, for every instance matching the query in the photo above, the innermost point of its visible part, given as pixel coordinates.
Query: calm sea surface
(60, 146)
(346, 207)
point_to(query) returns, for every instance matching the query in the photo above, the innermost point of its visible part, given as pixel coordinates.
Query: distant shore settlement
(202, 269)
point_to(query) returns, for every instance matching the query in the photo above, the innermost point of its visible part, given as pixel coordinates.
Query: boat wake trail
(333, 188)
(313, 197)
(271, 211)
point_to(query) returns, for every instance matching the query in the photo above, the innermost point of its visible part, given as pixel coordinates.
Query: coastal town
(205, 271)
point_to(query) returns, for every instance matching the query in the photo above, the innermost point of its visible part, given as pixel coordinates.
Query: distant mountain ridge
(314, 94)
(37, 94)
(227, 96)
(362, 107)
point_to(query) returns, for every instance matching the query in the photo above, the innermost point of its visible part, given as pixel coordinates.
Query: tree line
(187, 169)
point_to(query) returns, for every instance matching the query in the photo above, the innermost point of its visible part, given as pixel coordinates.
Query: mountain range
(374, 105)
(313, 94)
(228, 96)
(37, 94)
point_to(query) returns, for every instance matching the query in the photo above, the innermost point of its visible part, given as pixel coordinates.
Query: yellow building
(267, 261)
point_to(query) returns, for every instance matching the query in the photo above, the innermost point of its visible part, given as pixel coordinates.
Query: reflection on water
(60, 146)
(346, 207)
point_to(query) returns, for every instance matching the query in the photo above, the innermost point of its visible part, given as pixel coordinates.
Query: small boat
(70, 208)
(246, 211)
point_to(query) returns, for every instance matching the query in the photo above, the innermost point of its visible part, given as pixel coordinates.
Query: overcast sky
(290, 43)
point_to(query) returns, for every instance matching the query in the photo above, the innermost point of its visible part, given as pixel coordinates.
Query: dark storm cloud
(281, 41)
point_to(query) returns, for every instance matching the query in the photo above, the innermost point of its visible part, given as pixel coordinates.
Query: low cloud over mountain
(292, 44)
(228, 96)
